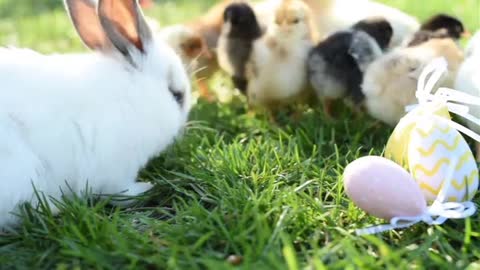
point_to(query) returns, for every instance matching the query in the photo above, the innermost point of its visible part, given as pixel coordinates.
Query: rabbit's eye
(177, 95)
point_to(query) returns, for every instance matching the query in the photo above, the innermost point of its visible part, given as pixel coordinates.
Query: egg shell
(398, 143)
(433, 146)
(383, 188)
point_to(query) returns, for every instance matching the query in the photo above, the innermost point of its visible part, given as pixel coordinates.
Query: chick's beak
(466, 34)
(207, 53)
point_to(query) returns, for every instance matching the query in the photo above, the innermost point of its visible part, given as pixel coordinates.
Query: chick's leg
(328, 107)
(204, 90)
(272, 117)
(296, 115)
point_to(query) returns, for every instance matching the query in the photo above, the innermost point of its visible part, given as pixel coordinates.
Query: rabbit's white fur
(84, 119)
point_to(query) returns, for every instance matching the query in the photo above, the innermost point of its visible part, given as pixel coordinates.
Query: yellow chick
(390, 82)
(276, 71)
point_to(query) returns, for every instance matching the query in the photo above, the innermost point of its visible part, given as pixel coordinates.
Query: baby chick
(265, 11)
(189, 45)
(390, 83)
(439, 26)
(468, 80)
(209, 26)
(276, 70)
(336, 15)
(336, 65)
(235, 45)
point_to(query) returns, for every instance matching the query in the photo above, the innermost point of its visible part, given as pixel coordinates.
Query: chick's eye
(295, 21)
(177, 95)
(237, 20)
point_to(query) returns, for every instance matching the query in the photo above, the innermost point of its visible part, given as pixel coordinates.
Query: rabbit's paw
(134, 190)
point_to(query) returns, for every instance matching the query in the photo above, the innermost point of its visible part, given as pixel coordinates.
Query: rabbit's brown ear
(125, 25)
(85, 19)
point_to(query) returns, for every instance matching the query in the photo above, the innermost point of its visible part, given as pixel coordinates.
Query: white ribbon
(435, 69)
(441, 210)
(434, 216)
(455, 101)
(395, 223)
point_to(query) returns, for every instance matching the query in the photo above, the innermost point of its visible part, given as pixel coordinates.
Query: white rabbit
(78, 120)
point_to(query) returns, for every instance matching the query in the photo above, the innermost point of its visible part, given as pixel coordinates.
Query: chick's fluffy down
(390, 82)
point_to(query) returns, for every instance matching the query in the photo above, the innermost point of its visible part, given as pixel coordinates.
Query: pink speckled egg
(383, 188)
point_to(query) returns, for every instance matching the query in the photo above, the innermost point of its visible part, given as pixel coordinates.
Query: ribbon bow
(456, 102)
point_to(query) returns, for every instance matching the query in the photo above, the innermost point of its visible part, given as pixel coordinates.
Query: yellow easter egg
(398, 143)
(433, 147)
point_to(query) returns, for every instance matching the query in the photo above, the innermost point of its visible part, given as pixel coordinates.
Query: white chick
(390, 82)
(276, 71)
(468, 79)
(265, 11)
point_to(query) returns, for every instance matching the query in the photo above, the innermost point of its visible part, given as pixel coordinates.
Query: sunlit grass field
(236, 191)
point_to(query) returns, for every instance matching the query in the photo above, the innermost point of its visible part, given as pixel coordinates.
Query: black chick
(336, 65)
(438, 26)
(240, 29)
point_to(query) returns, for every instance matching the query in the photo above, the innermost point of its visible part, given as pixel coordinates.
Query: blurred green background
(43, 25)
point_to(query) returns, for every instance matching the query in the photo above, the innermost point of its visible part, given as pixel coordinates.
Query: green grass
(233, 185)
